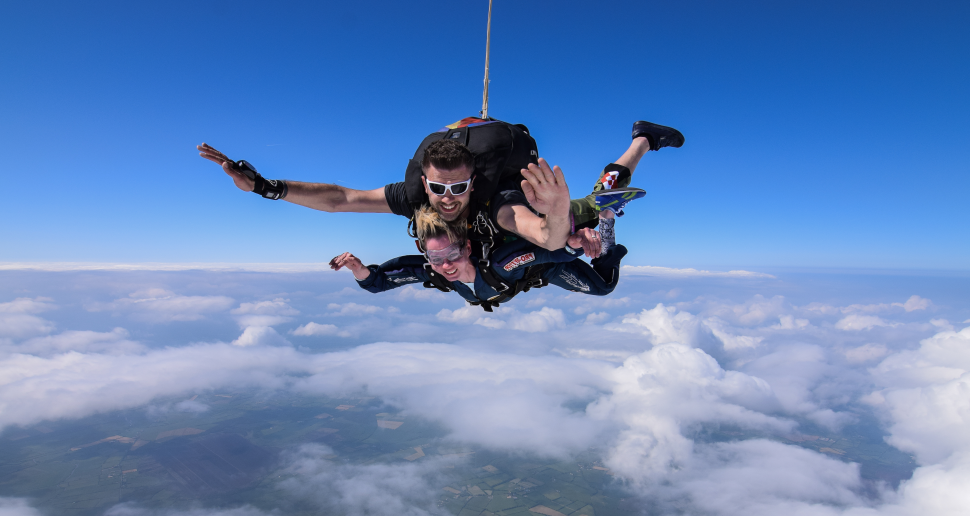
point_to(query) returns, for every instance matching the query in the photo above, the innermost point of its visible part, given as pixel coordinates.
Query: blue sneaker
(615, 199)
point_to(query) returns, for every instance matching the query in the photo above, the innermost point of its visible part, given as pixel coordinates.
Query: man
(543, 188)
(448, 253)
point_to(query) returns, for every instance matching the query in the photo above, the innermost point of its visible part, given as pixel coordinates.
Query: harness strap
(437, 280)
(485, 269)
(532, 279)
(482, 230)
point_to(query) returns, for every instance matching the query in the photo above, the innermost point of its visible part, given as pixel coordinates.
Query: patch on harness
(520, 260)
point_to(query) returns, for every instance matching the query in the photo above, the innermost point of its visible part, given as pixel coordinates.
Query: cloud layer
(638, 380)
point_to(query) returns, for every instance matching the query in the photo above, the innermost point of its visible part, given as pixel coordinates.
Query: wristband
(269, 188)
(274, 189)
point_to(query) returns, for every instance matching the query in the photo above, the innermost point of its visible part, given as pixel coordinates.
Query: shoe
(615, 199)
(659, 136)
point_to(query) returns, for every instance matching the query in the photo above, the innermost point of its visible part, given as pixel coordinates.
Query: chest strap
(530, 280)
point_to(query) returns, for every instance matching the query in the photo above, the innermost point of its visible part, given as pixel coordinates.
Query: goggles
(454, 189)
(438, 257)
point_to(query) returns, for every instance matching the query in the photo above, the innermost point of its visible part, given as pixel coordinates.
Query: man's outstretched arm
(547, 192)
(319, 196)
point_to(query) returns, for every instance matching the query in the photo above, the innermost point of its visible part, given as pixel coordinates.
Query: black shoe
(659, 136)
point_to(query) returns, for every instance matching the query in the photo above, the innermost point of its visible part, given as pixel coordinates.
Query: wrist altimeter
(274, 189)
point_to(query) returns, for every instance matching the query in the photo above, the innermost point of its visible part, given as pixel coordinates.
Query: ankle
(642, 143)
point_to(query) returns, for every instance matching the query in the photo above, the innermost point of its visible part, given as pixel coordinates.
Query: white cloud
(26, 305)
(264, 313)
(114, 342)
(260, 336)
(667, 272)
(72, 385)
(543, 320)
(760, 477)
(160, 305)
(856, 322)
(608, 355)
(312, 329)
(915, 303)
(926, 390)
(731, 341)
(499, 400)
(16, 321)
(17, 507)
(589, 303)
(753, 312)
(597, 318)
(409, 489)
(789, 322)
(912, 304)
(358, 309)
(466, 314)
(161, 266)
(662, 325)
(493, 324)
(865, 353)
(410, 292)
(659, 392)
(18, 326)
(800, 376)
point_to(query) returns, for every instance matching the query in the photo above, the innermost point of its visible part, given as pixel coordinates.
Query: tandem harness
(530, 280)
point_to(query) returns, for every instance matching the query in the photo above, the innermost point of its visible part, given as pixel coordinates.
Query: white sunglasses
(439, 189)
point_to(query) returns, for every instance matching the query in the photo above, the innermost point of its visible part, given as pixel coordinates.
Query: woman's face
(452, 259)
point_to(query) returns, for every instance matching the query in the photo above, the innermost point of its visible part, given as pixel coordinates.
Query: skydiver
(447, 253)
(447, 182)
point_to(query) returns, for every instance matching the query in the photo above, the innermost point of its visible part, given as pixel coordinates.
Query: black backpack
(501, 150)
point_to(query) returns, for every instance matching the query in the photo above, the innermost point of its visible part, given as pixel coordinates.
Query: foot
(614, 200)
(659, 136)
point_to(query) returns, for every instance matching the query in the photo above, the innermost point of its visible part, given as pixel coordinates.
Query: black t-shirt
(397, 199)
(508, 193)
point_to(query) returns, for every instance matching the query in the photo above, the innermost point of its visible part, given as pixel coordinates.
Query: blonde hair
(429, 224)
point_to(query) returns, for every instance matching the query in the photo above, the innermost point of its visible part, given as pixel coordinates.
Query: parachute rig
(501, 151)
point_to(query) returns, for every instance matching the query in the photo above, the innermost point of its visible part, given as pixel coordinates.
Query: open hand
(545, 189)
(351, 262)
(587, 238)
(229, 166)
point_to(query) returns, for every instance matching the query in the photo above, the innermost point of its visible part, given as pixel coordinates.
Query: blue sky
(823, 134)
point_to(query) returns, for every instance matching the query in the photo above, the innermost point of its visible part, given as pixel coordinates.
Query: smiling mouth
(449, 206)
(451, 272)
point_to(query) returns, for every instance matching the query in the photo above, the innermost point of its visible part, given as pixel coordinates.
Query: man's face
(449, 206)
(457, 270)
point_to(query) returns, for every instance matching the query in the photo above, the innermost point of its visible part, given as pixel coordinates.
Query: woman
(518, 265)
